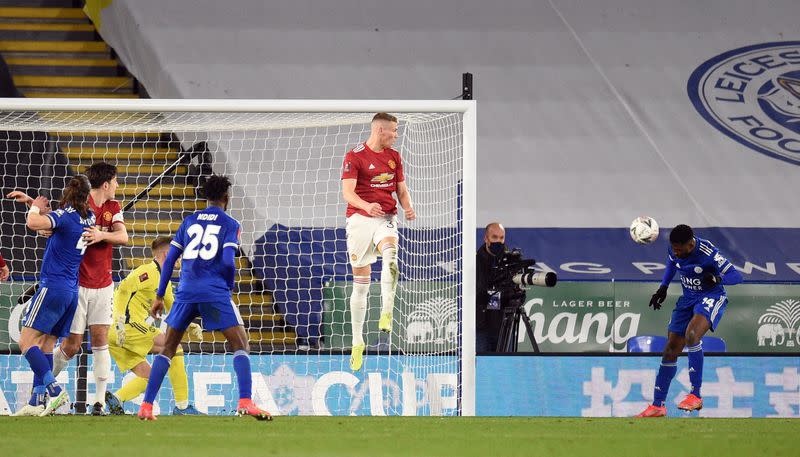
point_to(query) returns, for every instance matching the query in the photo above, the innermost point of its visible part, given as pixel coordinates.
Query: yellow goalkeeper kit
(131, 337)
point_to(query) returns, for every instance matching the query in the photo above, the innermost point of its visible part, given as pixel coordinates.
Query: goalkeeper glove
(195, 331)
(119, 326)
(710, 280)
(658, 298)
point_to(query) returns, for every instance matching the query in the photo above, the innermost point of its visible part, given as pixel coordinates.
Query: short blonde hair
(159, 243)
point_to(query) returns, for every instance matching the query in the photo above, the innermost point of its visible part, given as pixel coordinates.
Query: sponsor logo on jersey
(371, 166)
(383, 178)
(143, 277)
(752, 95)
(347, 167)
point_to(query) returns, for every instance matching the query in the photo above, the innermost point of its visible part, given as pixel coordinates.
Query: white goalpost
(284, 158)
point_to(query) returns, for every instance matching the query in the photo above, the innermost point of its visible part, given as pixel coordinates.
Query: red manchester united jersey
(376, 175)
(95, 270)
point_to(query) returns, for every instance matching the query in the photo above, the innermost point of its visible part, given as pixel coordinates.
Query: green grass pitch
(394, 436)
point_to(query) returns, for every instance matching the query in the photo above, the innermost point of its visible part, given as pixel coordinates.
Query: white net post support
(284, 158)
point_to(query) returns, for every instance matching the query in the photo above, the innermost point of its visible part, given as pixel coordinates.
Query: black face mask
(497, 248)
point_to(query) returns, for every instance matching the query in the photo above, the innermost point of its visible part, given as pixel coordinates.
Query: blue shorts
(216, 315)
(50, 311)
(711, 306)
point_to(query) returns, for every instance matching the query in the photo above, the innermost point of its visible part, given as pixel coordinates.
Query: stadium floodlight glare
(284, 158)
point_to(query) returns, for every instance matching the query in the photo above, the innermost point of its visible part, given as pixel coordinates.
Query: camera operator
(489, 315)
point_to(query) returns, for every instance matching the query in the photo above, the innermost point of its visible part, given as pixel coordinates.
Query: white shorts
(363, 236)
(95, 307)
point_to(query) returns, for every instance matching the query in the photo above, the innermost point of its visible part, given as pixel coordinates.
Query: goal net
(293, 275)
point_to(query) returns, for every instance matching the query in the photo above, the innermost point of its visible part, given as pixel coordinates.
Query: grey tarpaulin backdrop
(584, 118)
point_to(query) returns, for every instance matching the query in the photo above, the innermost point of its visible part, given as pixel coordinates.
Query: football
(644, 230)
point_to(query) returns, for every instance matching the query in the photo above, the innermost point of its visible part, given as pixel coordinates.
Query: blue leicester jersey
(202, 237)
(704, 258)
(65, 248)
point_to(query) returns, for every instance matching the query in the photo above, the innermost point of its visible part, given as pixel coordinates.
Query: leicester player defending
(52, 307)
(703, 272)
(133, 335)
(96, 292)
(207, 241)
(372, 171)
(96, 289)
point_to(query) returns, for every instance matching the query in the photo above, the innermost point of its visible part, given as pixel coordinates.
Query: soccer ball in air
(644, 230)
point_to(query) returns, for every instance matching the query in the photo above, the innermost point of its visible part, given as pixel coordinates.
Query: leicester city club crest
(752, 95)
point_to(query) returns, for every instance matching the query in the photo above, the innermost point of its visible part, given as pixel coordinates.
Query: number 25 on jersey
(203, 243)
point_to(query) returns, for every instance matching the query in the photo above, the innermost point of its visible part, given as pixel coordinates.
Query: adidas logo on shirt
(371, 166)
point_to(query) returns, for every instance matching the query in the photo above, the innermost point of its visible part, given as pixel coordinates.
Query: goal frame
(469, 182)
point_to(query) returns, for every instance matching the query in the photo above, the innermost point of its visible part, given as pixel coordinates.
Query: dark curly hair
(681, 234)
(216, 188)
(100, 173)
(76, 195)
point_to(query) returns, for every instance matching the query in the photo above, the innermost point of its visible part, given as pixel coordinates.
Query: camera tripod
(508, 338)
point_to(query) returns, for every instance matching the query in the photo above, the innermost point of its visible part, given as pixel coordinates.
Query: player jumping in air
(371, 172)
(53, 306)
(133, 335)
(96, 288)
(207, 241)
(703, 272)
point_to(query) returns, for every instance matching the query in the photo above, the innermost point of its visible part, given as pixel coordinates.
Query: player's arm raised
(22, 197)
(350, 196)
(404, 197)
(36, 220)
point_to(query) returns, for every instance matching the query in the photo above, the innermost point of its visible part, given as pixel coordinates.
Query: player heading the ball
(371, 172)
(207, 242)
(703, 270)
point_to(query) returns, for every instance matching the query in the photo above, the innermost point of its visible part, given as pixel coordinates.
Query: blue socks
(157, 372)
(37, 389)
(696, 367)
(37, 396)
(241, 364)
(667, 371)
(42, 370)
(664, 377)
